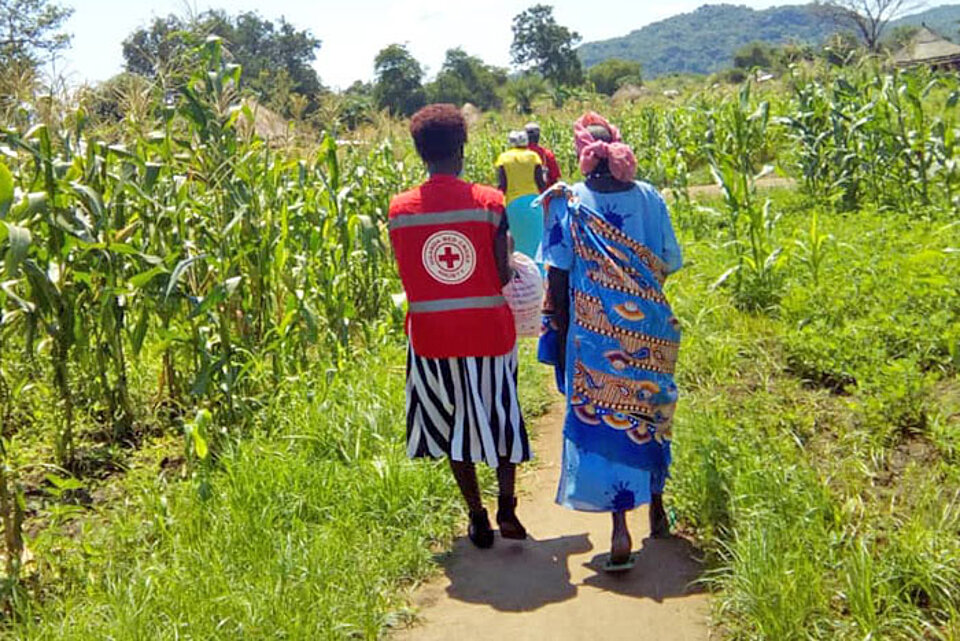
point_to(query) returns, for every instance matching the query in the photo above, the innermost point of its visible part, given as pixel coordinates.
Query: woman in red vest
(450, 239)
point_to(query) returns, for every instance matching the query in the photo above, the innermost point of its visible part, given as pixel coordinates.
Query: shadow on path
(665, 569)
(549, 589)
(514, 576)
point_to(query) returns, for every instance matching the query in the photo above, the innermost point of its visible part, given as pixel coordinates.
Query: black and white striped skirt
(466, 409)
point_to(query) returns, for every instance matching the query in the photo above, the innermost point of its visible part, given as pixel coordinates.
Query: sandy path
(764, 184)
(550, 588)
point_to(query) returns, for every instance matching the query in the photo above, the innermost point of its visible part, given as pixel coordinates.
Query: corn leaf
(19, 244)
(179, 271)
(6, 190)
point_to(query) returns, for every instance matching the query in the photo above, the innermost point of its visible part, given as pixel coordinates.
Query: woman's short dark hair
(599, 132)
(533, 132)
(439, 131)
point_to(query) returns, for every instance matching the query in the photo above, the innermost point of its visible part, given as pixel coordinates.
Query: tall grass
(310, 529)
(310, 525)
(807, 459)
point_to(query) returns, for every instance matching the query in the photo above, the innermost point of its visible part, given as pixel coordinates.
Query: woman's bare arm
(501, 252)
(539, 174)
(557, 303)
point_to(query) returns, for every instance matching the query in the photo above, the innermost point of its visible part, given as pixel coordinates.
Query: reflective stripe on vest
(403, 221)
(454, 304)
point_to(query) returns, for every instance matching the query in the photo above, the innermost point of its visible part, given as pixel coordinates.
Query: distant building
(929, 48)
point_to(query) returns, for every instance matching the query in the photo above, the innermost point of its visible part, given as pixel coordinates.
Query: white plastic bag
(524, 295)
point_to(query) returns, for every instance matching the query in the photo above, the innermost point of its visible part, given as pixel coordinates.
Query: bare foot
(659, 523)
(621, 545)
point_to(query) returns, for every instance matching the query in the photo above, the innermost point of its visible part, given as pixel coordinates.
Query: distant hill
(944, 20)
(704, 41)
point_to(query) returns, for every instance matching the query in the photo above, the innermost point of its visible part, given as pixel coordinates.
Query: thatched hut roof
(927, 47)
(470, 113)
(629, 93)
(267, 124)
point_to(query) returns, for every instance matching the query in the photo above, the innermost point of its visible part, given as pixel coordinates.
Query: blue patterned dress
(622, 343)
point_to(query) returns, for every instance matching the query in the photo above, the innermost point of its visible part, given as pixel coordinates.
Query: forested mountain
(704, 41)
(944, 20)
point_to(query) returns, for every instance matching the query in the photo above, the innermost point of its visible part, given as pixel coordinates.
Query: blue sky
(353, 31)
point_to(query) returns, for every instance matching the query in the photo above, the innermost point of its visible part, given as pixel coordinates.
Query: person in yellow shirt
(522, 179)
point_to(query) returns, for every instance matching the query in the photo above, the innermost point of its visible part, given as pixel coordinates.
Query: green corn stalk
(814, 249)
(735, 147)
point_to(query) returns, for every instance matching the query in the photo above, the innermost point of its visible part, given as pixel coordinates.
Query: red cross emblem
(449, 257)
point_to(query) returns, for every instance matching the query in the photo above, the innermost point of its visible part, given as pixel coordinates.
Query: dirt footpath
(550, 587)
(710, 191)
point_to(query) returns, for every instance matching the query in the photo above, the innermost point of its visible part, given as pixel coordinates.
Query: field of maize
(201, 363)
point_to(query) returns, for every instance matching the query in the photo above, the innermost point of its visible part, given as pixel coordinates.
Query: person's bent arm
(541, 179)
(559, 257)
(502, 179)
(501, 252)
(553, 169)
(672, 254)
(558, 305)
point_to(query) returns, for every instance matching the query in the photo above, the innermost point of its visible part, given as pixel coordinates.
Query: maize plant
(195, 242)
(735, 147)
(173, 271)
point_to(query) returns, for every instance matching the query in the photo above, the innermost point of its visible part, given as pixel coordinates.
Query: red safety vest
(443, 236)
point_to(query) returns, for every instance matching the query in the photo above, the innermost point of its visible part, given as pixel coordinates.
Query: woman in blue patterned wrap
(611, 335)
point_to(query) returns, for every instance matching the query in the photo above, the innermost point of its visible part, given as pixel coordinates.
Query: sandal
(480, 532)
(510, 526)
(613, 567)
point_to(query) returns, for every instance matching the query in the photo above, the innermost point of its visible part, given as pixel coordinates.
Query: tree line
(277, 59)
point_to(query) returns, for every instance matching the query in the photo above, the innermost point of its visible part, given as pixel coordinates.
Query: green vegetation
(524, 91)
(764, 56)
(610, 75)
(817, 446)
(399, 83)
(276, 59)
(943, 19)
(172, 285)
(542, 44)
(32, 31)
(307, 528)
(817, 441)
(817, 452)
(706, 40)
(312, 525)
(202, 404)
(869, 20)
(465, 78)
(202, 385)
(543, 48)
